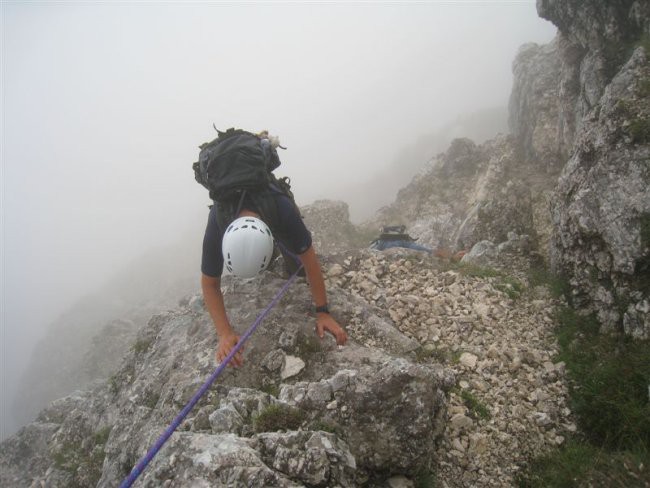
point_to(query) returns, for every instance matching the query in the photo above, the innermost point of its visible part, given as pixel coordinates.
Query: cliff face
(601, 206)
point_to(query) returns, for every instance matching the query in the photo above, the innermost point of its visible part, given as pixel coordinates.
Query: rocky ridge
(448, 370)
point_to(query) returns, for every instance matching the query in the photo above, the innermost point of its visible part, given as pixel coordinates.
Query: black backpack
(240, 164)
(234, 162)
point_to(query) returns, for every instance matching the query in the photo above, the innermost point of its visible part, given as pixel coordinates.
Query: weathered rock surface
(542, 135)
(329, 223)
(601, 206)
(510, 402)
(601, 209)
(349, 416)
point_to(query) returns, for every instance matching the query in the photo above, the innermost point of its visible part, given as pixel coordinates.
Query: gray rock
(292, 367)
(481, 253)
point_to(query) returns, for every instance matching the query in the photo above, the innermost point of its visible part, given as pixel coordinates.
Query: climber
(249, 250)
(395, 236)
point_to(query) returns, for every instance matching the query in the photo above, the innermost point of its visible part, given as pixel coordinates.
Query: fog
(104, 105)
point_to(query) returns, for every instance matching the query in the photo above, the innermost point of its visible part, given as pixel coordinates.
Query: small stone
(336, 270)
(292, 366)
(332, 405)
(515, 364)
(460, 421)
(493, 352)
(549, 367)
(542, 419)
(456, 444)
(400, 482)
(468, 360)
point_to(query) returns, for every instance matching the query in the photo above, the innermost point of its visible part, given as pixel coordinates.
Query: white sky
(105, 103)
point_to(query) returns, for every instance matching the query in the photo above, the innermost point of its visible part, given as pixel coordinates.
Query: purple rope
(137, 469)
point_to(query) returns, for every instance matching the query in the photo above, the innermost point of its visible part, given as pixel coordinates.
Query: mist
(104, 106)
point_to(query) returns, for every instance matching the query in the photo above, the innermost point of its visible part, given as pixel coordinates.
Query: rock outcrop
(542, 133)
(330, 226)
(468, 194)
(300, 412)
(601, 206)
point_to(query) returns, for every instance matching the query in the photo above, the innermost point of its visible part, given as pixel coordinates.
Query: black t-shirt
(296, 237)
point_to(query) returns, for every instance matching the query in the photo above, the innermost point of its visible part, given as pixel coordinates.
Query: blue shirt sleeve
(212, 258)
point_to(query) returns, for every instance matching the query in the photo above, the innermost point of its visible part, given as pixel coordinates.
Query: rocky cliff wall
(601, 206)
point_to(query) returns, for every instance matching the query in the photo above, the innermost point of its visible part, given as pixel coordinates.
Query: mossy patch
(510, 286)
(542, 276)
(639, 130)
(477, 409)
(644, 229)
(478, 271)
(278, 417)
(271, 389)
(141, 346)
(326, 426)
(426, 355)
(425, 479)
(83, 460)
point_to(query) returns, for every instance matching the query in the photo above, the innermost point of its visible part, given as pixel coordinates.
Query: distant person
(395, 236)
(240, 234)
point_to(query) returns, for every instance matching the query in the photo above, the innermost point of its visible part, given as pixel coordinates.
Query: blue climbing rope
(138, 468)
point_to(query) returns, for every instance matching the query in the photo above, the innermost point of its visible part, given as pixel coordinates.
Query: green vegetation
(477, 409)
(510, 287)
(114, 384)
(639, 130)
(542, 276)
(610, 377)
(424, 355)
(325, 426)
(506, 284)
(278, 417)
(645, 43)
(150, 399)
(101, 436)
(271, 389)
(84, 463)
(142, 346)
(644, 229)
(644, 88)
(579, 463)
(426, 479)
(478, 271)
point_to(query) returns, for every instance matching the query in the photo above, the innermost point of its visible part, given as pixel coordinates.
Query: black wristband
(323, 309)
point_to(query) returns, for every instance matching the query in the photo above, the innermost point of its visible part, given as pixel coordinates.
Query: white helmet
(247, 247)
